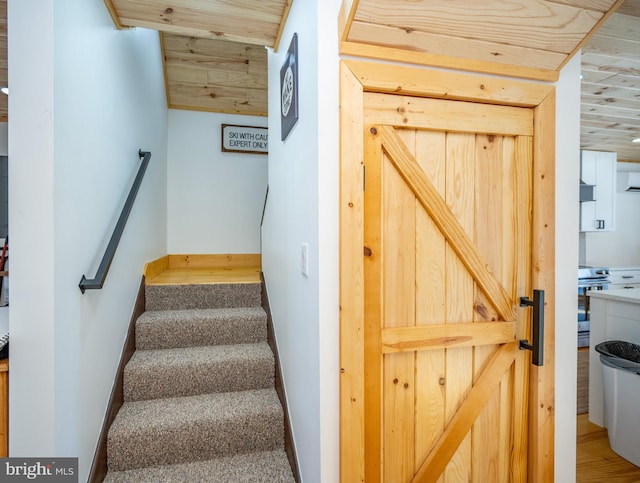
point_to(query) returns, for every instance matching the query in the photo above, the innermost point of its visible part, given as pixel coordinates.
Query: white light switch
(304, 259)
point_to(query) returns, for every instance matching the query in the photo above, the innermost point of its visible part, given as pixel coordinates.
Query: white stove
(589, 278)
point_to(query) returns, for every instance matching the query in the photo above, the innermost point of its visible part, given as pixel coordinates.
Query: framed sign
(289, 89)
(245, 139)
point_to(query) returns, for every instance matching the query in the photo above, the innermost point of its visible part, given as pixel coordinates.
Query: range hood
(633, 182)
(587, 191)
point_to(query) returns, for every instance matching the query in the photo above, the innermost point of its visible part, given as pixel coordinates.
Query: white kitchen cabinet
(599, 168)
(624, 278)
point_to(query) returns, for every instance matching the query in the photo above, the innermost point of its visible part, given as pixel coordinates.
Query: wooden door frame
(358, 77)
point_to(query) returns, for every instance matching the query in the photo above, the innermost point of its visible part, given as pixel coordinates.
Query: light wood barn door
(447, 235)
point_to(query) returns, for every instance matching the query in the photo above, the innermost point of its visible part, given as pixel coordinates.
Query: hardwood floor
(203, 269)
(206, 275)
(596, 462)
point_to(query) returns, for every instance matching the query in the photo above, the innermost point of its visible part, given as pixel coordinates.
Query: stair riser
(178, 297)
(197, 441)
(177, 330)
(161, 382)
(268, 466)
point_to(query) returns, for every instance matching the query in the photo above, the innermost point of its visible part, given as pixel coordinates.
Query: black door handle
(537, 327)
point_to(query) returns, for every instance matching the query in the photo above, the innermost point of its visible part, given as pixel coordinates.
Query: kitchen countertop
(631, 295)
(610, 267)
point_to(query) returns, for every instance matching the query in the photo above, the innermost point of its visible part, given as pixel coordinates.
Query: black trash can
(620, 355)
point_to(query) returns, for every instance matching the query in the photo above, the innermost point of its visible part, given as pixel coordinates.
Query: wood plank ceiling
(524, 38)
(214, 50)
(610, 103)
(215, 58)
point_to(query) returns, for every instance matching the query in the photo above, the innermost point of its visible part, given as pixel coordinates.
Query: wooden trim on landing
(271, 339)
(99, 466)
(155, 267)
(229, 260)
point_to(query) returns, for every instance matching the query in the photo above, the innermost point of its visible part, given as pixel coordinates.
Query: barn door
(447, 254)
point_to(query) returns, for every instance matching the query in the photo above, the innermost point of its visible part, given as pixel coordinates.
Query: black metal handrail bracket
(98, 281)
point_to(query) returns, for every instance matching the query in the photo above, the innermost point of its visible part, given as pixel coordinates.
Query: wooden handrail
(98, 281)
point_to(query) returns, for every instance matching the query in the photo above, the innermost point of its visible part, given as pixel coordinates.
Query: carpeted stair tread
(203, 296)
(165, 329)
(162, 373)
(266, 466)
(194, 428)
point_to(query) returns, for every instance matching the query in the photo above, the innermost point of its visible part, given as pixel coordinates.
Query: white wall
(567, 214)
(619, 248)
(215, 199)
(303, 208)
(85, 97)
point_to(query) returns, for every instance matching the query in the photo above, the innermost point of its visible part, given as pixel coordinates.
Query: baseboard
(99, 465)
(288, 435)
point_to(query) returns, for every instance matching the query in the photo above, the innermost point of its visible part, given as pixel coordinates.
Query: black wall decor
(289, 89)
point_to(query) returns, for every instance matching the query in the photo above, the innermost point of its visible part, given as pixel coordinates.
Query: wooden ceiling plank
(621, 26)
(540, 25)
(627, 154)
(206, 46)
(218, 92)
(614, 136)
(447, 85)
(232, 104)
(202, 23)
(607, 126)
(612, 46)
(617, 80)
(610, 64)
(221, 77)
(590, 105)
(465, 64)
(264, 10)
(219, 56)
(597, 5)
(258, 68)
(193, 32)
(598, 123)
(611, 143)
(199, 61)
(595, 116)
(418, 41)
(182, 74)
(594, 29)
(345, 18)
(611, 92)
(245, 20)
(596, 76)
(630, 7)
(589, 101)
(231, 109)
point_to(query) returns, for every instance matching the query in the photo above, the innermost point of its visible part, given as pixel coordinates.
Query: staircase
(199, 398)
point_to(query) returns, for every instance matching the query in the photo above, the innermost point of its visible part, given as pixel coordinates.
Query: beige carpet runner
(200, 403)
